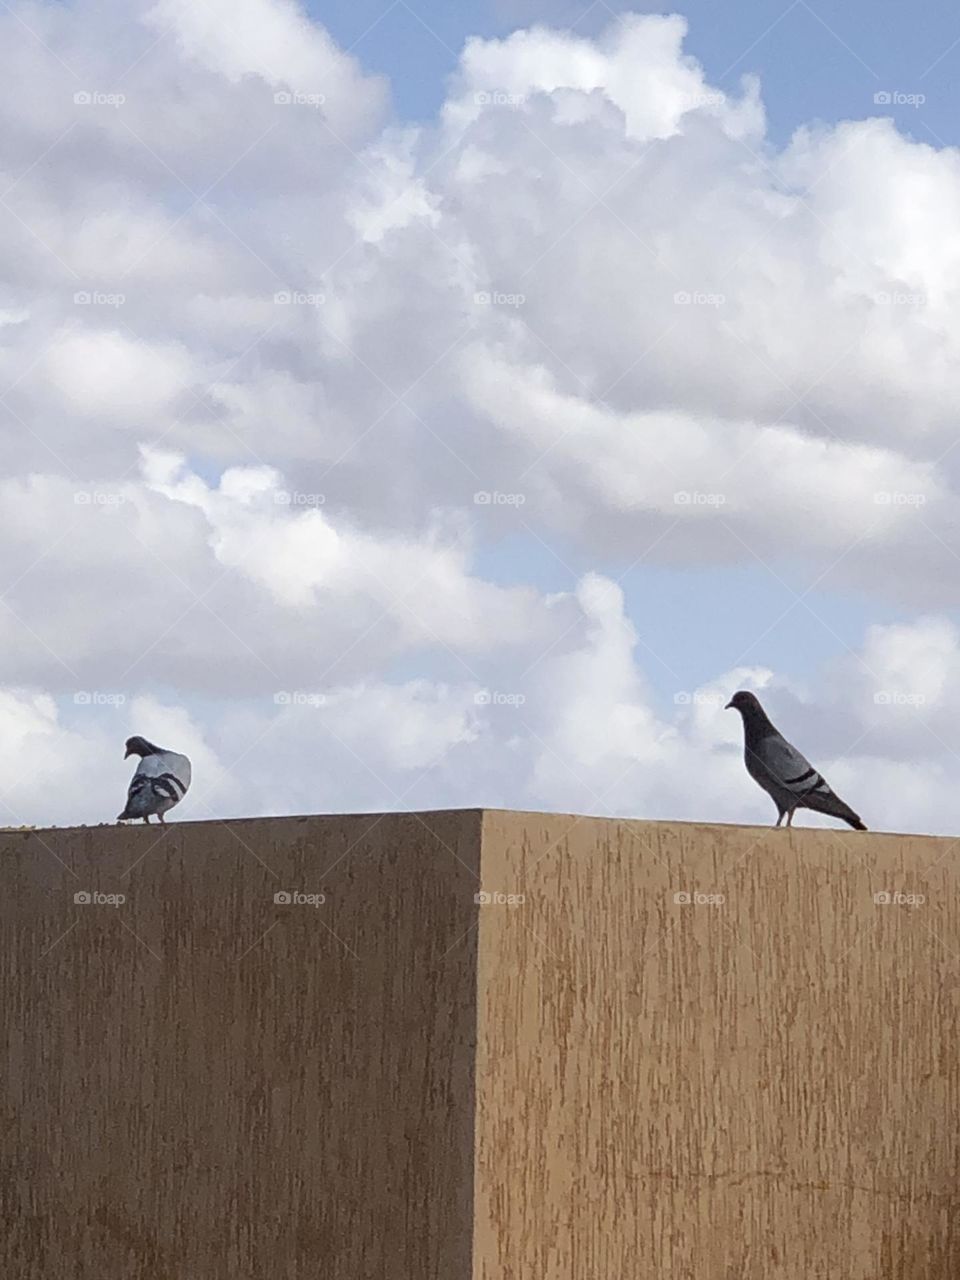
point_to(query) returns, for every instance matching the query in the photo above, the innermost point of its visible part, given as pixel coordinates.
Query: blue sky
(822, 61)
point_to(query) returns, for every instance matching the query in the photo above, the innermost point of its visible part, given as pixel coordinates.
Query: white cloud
(592, 292)
(293, 550)
(638, 65)
(693, 468)
(109, 373)
(275, 40)
(579, 730)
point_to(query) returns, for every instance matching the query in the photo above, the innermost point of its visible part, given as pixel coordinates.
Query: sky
(817, 62)
(407, 406)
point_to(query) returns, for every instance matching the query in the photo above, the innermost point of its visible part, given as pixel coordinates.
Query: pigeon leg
(790, 817)
(162, 823)
(779, 820)
(146, 818)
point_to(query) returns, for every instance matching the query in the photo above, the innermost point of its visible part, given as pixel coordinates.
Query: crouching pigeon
(160, 782)
(787, 777)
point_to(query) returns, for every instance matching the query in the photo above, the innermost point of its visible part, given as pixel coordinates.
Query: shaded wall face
(710, 1052)
(203, 1081)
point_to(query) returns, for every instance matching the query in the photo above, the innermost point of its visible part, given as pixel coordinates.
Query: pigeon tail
(831, 804)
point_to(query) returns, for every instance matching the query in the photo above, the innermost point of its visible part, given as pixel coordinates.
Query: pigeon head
(140, 747)
(748, 704)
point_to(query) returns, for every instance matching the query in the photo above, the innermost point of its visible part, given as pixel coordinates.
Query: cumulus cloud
(578, 730)
(696, 469)
(294, 395)
(638, 65)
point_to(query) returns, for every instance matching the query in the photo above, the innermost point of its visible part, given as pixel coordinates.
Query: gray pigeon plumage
(161, 781)
(787, 777)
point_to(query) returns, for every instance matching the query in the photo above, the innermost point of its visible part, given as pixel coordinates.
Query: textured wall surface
(760, 1087)
(651, 1050)
(202, 1083)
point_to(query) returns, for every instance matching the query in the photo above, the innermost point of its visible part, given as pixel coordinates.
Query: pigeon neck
(757, 724)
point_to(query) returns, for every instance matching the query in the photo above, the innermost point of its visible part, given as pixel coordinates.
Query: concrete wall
(762, 1088)
(201, 1083)
(597, 1081)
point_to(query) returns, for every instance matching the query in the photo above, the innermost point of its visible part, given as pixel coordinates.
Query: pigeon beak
(128, 752)
(729, 707)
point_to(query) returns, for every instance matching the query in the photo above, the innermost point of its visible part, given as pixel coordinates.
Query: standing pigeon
(160, 782)
(787, 777)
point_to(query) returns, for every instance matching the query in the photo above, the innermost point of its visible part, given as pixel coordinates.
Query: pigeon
(160, 782)
(788, 778)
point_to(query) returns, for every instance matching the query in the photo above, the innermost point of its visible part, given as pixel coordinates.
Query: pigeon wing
(138, 783)
(794, 774)
(140, 797)
(175, 768)
(784, 765)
